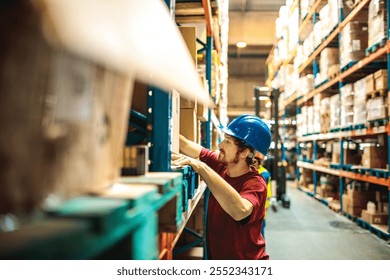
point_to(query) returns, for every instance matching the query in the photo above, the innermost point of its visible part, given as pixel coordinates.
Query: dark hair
(242, 146)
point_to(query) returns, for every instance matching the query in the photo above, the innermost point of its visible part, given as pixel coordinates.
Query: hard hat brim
(229, 132)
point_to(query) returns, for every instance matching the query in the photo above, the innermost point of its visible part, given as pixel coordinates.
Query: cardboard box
(353, 211)
(381, 82)
(188, 104)
(325, 191)
(202, 110)
(354, 41)
(188, 124)
(189, 36)
(379, 73)
(351, 156)
(77, 118)
(377, 28)
(348, 207)
(376, 108)
(358, 198)
(372, 157)
(359, 88)
(306, 177)
(370, 83)
(328, 57)
(377, 218)
(371, 208)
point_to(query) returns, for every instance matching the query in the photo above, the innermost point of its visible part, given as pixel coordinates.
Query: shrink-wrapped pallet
(377, 22)
(347, 101)
(335, 111)
(353, 42)
(359, 106)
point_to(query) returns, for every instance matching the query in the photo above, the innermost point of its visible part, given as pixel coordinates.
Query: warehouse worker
(258, 164)
(238, 193)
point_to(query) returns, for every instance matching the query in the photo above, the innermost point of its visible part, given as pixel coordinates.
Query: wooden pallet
(335, 206)
(376, 46)
(376, 93)
(376, 123)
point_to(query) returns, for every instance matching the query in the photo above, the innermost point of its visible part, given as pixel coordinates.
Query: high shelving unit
(377, 57)
(135, 216)
(184, 12)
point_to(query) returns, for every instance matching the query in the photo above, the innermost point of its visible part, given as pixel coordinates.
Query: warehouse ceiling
(251, 21)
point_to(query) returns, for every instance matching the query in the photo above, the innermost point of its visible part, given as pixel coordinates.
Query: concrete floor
(309, 230)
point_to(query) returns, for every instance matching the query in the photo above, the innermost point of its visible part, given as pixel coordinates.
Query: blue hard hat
(252, 130)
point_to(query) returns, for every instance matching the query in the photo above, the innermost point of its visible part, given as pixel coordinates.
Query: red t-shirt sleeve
(211, 159)
(254, 190)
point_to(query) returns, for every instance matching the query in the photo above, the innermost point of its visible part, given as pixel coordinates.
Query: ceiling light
(241, 44)
(262, 88)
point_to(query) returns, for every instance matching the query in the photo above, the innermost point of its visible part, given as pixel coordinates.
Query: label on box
(356, 45)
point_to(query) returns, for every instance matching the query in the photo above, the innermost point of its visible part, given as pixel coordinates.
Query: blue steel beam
(159, 136)
(208, 77)
(341, 179)
(207, 141)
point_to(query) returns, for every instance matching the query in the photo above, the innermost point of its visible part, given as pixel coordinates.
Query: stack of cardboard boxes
(353, 43)
(373, 157)
(356, 198)
(377, 22)
(376, 93)
(334, 111)
(306, 179)
(325, 115)
(192, 112)
(377, 211)
(328, 58)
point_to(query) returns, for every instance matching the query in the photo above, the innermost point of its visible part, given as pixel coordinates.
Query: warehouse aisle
(308, 230)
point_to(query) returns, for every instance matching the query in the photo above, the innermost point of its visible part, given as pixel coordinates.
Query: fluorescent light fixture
(263, 88)
(241, 44)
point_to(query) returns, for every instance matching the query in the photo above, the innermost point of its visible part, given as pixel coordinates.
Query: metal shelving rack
(342, 173)
(121, 221)
(159, 116)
